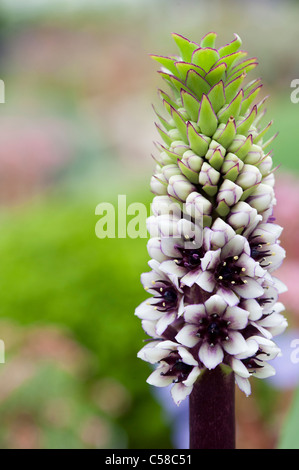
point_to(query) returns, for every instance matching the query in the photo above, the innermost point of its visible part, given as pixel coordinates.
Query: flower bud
(248, 179)
(228, 195)
(199, 208)
(179, 187)
(262, 197)
(242, 216)
(231, 167)
(208, 178)
(158, 184)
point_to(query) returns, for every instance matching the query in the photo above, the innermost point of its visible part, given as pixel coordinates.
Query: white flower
(184, 252)
(229, 269)
(166, 305)
(213, 326)
(254, 361)
(176, 366)
(265, 246)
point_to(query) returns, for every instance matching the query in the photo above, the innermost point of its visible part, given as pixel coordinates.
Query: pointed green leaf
(184, 67)
(242, 147)
(222, 209)
(167, 62)
(251, 86)
(173, 156)
(216, 74)
(231, 59)
(215, 158)
(231, 167)
(245, 66)
(185, 46)
(231, 47)
(179, 85)
(208, 40)
(163, 121)
(163, 134)
(198, 143)
(244, 125)
(217, 96)
(266, 144)
(262, 133)
(249, 100)
(232, 109)
(191, 105)
(190, 174)
(225, 133)
(207, 119)
(197, 84)
(232, 87)
(180, 124)
(205, 57)
(164, 96)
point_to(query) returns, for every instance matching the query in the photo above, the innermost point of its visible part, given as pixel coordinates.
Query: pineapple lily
(214, 308)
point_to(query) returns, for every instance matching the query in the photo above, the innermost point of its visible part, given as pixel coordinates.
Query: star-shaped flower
(214, 328)
(176, 366)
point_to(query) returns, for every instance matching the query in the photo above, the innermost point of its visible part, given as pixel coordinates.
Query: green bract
(211, 129)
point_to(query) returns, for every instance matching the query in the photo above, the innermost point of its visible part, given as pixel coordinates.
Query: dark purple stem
(212, 411)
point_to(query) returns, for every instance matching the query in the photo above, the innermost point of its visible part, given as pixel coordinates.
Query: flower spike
(213, 242)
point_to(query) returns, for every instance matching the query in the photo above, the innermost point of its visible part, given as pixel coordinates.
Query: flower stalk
(212, 411)
(214, 243)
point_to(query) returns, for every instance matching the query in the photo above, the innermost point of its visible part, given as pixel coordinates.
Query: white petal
(190, 278)
(243, 385)
(193, 313)
(159, 380)
(234, 247)
(215, 304)
(252, 348)
(279, 285)
(192, 377)
(149, 327)
(210, 356)
(236, 343)
(146, 311)
(211, 260)
(179, 392)
(187, 357)
(164, 322)
(228, 295)
(171, 267)
(265, 372)
(237, 317)
(154, 249)
(239, 368)
(250, 290)
(187, 336)
(149, 354)
(206, 281)
(169, 247)
(253, 269)
(253, 308)
(181, 307)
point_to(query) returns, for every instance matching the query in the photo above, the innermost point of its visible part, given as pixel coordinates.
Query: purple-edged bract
(213, 240)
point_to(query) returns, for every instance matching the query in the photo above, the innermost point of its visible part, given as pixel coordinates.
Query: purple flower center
(228, 273)
(190, 258)
(167, 296)
(259, 251)
(177, 367)
(253, 362)
(213, 329)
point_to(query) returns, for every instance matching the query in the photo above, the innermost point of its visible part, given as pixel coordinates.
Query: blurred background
(77, 128)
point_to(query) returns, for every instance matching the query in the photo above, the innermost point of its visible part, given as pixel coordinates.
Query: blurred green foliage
(55, 270)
